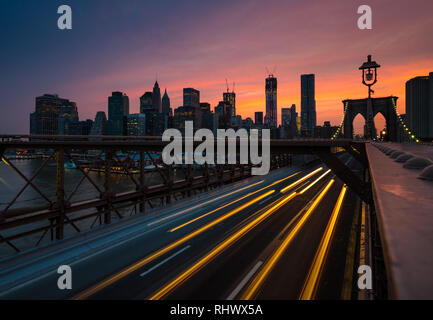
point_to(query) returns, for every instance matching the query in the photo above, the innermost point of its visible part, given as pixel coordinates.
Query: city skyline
(205, 62)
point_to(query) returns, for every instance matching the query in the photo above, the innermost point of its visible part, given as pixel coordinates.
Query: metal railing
(63, 211)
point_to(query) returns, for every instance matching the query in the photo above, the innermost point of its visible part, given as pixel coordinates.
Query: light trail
(105, 283)
(314, 182)
(310, 285)
(203, 204)
(217, 250)
(230, 203)
(294, 184)
(267, 268)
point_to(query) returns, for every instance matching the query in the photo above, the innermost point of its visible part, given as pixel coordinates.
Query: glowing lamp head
(369, 71)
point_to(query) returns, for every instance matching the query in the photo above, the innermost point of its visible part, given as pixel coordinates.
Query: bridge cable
(337, 132)
(403, 124)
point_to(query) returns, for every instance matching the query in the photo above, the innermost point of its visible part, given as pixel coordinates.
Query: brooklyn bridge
(131, 227)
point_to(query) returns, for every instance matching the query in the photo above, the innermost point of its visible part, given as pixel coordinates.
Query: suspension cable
(403, 124)
(337, 132)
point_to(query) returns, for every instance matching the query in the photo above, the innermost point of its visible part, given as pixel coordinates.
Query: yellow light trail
(310, 285)
(314, 182)
(267, 268)
(5, 161)
(204, 203)
(105, 283)
(217, 250)
(230, 203)
(284, 190)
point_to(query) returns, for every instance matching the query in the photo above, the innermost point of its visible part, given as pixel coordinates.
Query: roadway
(282, 236)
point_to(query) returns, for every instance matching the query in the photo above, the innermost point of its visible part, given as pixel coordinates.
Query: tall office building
(286, 116)
(308, 105)
(204, 107)
(288, 122)
(53, 115)
(208, 119)
(156, 111)
(224, 114)
(419, 106)
(146, 102)
(191, 98)
(118, 110)
(136, 124)
(271, 101)
(166, 104)
(156, 98)
(230, 99)
(294, 120)
(258, 118)
(68, 116)
(99, 127)
(182, 114)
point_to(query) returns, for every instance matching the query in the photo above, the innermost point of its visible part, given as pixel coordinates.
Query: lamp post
(369, 78)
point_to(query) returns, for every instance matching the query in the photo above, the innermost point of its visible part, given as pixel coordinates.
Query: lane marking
(165, 260)
(113, 278)
(271, 262)
(244, 281)
(311, 283)
(219, 249)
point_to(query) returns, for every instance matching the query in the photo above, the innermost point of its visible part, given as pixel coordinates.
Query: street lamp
(369, 74)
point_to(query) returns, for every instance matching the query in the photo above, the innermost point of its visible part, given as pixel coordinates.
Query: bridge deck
(404, 206)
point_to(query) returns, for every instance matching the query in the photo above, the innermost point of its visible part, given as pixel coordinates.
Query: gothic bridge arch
(384, 106)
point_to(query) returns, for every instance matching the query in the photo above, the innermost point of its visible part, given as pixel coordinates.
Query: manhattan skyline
(199, 45)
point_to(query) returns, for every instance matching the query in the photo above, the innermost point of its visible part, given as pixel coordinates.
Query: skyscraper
(118, 110)
(204, 107)
(230, 99)
(224, 114)
(99, 127)
(191, 99)
(308, 105)
(156, 98)
(146, 102)
(166, 104)
(52, 115)
(286, 116)
(271, 101)
(68, 116)
(419, 106)
(258, 118)
(136, 124)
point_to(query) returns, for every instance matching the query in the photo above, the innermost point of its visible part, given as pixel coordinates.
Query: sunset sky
(126, 45)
